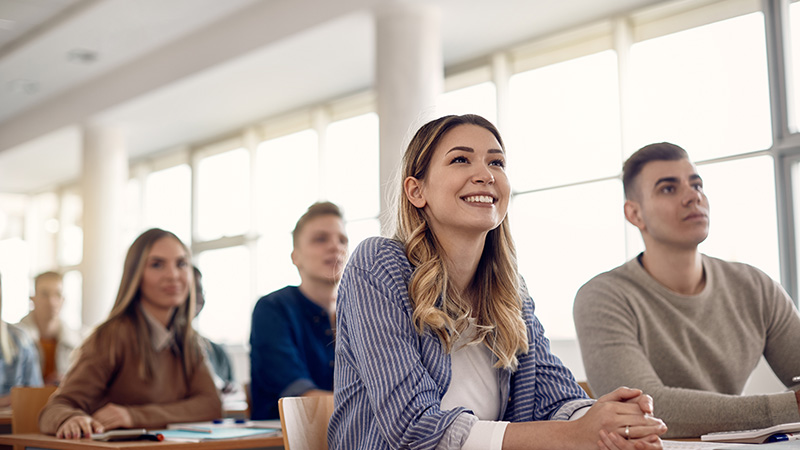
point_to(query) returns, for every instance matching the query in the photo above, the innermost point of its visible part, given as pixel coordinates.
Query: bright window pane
(705, 89)
(226, 281)
(73, 299)
(480, 99)
(12, 215)
(351, 166)
(71, 243)
(564, 123)
(359, 230)
(168, 201)
(223, 195)
(275, 268)
(287, 184)
(15, 263)
(565, 237)
(41, 230)
(743, 224)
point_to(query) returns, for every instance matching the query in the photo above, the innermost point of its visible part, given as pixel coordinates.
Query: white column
(105, 174)
(409, 78)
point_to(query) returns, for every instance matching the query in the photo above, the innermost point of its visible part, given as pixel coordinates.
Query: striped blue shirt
(389, 380)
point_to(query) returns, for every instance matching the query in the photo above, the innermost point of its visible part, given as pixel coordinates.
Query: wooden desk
(51, 442)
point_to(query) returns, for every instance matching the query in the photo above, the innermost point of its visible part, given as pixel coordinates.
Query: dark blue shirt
(291, 350)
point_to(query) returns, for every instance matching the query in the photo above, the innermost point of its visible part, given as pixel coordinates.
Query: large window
(168, 201)
(705, 89)
(223, 194)
(564, 123)
(480, 99)
(226, 282)
(288, 182)
(565, 237)
(352, 174)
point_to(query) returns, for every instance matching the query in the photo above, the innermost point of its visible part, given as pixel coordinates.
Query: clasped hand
(108, 417)
(623, 409)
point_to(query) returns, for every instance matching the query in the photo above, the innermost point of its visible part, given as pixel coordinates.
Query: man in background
(292, 339)
(686, 328)
(56, 341)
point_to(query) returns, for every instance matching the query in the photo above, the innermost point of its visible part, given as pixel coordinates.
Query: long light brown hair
(126, 309)
(496, 284)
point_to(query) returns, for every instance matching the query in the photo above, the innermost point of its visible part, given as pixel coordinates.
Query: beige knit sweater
(692, 354)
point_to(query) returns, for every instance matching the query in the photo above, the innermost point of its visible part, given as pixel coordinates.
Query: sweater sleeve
(202, 403)
(783, 333)
(80, 391)
(84, 390)
(608, 337)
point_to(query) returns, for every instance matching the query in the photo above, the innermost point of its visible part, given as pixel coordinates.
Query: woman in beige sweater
(142, 367)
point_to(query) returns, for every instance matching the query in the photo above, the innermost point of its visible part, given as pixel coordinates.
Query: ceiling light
(81, 56)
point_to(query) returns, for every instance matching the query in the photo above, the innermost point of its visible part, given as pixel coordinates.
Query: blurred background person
(19, 363)
(142, 367)
(291, 338)
(54, 338)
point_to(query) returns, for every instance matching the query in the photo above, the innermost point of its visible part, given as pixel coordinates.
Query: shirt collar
(160, 336)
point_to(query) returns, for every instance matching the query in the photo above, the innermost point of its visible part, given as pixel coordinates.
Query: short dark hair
(662, 151)
(314, 211)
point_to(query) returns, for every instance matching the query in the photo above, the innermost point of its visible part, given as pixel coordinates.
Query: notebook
(757, 436)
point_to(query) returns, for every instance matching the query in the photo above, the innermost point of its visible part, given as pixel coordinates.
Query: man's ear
(293, 257)
(412, 187)
(633, 212)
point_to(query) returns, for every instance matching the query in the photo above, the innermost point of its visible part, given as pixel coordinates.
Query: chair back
(304, 421)
(586, 388)
(26, 404)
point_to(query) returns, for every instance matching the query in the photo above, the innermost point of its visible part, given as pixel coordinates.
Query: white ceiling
(179, 71)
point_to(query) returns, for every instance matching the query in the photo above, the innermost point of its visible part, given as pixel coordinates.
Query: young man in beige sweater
(686, 328)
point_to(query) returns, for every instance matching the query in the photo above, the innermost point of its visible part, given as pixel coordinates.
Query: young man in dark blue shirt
(292, 338)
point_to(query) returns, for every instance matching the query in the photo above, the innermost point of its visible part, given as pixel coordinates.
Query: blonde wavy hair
(126, 309)
(496, 285)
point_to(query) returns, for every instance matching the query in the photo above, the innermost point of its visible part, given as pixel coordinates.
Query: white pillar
(409, 78)
(105, 174)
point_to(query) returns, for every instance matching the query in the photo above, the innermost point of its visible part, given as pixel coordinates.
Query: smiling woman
(437, 345)
(142, 367)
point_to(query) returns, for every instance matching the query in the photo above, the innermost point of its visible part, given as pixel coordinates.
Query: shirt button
(330, 364)
(328, 332)
(316, 319)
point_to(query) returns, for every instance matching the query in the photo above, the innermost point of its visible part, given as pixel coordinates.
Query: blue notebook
(215, 433)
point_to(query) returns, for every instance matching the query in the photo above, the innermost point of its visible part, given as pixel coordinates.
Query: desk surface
(44, 441)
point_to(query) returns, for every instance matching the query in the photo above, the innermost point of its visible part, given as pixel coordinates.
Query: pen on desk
(783, 437)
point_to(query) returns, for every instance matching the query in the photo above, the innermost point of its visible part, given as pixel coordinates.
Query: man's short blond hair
(316, 210)
(49, 275)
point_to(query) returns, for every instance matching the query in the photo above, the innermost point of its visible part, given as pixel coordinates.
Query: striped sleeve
(381, 380)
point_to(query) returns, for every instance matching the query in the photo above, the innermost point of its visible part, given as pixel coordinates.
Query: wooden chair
(249, 397)
(26, 404)
(304, 421)
(585, 386)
